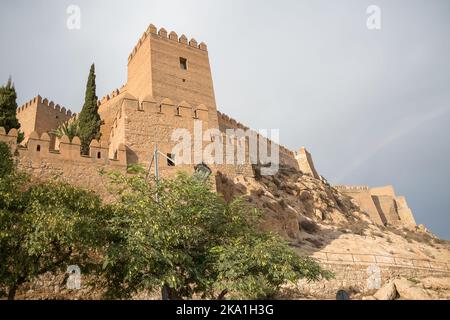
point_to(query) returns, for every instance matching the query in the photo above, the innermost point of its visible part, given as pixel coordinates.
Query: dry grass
(308, 226)
(358, 227)
(315, 242)
(412, 236)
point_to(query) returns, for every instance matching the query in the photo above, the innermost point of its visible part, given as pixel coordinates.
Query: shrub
(358, 227)
(182, 236)
(41, 226)
(6, 160)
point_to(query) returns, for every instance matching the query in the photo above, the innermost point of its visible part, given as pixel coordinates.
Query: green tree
(69, 129)
(8, 108)
(44, 227)
(180, 236)
(6, 160)
(89, 121)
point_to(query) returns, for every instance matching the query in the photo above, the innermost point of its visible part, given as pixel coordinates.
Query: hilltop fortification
(169, 87)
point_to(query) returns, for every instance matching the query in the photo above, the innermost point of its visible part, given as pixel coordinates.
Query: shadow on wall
(132, 157)
(376, 201)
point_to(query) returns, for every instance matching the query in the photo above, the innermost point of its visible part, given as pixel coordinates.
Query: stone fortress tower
(169, 86)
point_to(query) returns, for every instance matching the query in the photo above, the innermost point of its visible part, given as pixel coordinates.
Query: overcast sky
(372, 106)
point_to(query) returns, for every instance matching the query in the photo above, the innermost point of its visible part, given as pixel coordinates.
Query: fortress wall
(387, 206)
(41, 115)
(67, 163)
(150, 122)
(287, 157)
(404, 212)
(361, 194)
(153, 122)
(117, 131)
(306, 163)
(383, 191)
(26, 114)
(139, 69)
(382, 205)
(240, 163)
(108, 108)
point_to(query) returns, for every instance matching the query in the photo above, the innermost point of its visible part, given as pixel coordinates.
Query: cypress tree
(89, 120)
(8, 106)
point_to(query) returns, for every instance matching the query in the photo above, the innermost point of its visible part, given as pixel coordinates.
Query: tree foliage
(69, 129)
(89, 121)
(44, 227)
(8, 107)
(177, 235)
(6, 160)
(183, 237)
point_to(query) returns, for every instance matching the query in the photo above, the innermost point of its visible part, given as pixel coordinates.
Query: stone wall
(386, 207)
(153, 122)
(306, 163)
(404, 212)
(108, 108)
(382, 205)
(41, 116)
(287, 157)
(354, 278)
(361, 194)
(66, 163)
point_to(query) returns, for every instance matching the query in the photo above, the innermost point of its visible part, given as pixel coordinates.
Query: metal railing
(362, 258)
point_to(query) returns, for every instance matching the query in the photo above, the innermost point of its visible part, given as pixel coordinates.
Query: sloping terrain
(318, 220)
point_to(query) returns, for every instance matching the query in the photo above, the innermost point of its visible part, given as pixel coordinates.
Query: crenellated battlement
(38, 100)
(166, 106)
(112, 95)
(232, 123)
(162, 33)
(352, 188)
(179, 109)
(38, 148)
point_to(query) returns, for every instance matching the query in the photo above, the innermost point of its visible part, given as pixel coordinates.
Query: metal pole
(155, 158)
(155, 155)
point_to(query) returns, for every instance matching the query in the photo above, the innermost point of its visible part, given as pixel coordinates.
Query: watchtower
(164, 65)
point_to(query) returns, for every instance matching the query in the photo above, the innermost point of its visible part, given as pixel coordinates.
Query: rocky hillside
(315, 218)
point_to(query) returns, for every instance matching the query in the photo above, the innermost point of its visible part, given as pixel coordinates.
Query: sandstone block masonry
(169, 86)
(382, 204)
(41, 116)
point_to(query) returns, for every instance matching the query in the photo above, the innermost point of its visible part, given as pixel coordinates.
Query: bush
(6, 160)
(182, 236)
(358, 227)
(411, 236)
(41, 226)
(177, 235)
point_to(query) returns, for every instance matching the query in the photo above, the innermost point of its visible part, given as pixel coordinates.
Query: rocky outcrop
(320, 221)
(415, 289)
(289, 198)
(388, 292)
